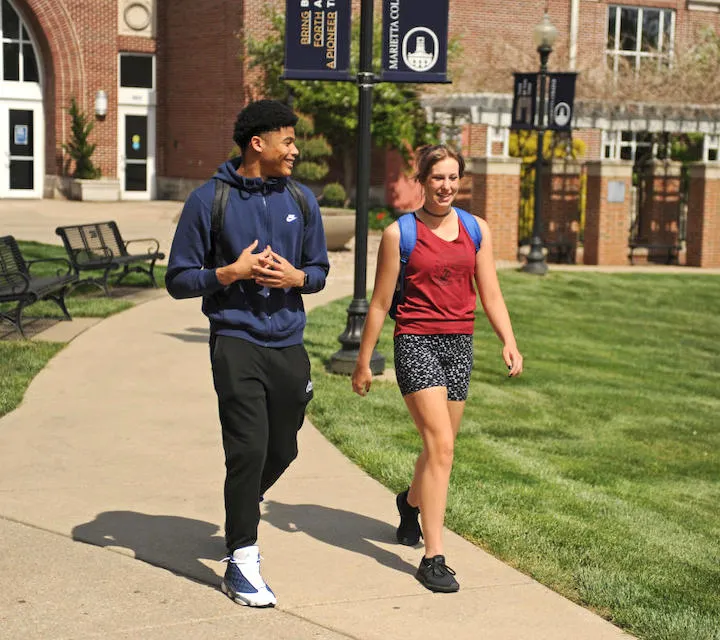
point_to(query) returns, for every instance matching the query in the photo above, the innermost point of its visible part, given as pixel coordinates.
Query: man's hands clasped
(266, 267)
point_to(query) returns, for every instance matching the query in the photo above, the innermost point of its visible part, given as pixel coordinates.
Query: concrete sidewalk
(117, 445)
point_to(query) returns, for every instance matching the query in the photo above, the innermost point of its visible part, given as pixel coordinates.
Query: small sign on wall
(21, 134)
(616, 191)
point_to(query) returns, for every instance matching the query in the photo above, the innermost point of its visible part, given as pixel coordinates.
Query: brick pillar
(474, 142)
(660, 211)
(703, 216)
(561, 202)
(593, 142)
(496, 198)
(608, 212)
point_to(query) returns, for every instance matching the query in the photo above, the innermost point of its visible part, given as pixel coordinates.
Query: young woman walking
(433, 341)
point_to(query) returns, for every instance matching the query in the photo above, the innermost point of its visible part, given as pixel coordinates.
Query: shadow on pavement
(33, 326)
(338, 528)
(192, 334)
(170, 542)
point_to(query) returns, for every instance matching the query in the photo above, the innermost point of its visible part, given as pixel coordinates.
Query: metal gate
(657, 223)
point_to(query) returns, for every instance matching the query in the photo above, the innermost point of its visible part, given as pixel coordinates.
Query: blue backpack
(408, 238)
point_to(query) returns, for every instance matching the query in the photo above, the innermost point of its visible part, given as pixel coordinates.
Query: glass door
(20, 146)
(137, 150)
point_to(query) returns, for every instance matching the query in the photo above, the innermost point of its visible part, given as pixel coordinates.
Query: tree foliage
(334, 195)
(314, 150)
(690, 76)
(398, 119)
(79, 147)
(523, 144)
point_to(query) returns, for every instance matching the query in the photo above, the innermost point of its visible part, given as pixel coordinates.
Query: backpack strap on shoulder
(408, 236)
(297, 194)
(471, 226)
(217, 222)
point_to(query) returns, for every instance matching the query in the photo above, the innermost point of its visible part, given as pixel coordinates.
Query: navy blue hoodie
(261, 210)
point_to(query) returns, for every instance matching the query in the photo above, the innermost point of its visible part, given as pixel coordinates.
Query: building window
(137, 71)
(498, 142)
(639, 38)
(637, 146)
(19, 63)
(711, 148)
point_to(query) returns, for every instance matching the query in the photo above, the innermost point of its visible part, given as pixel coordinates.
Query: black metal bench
(100, 247)
(561, 251)
(18, 284)
(672, 251)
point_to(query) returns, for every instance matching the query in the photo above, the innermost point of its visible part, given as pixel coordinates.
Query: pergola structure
(494, 109)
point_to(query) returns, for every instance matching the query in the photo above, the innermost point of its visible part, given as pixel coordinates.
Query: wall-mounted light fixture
(101, 104)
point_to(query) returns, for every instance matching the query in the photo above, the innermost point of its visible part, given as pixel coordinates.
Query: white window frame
(613, 144)
(616, 54)
(20, 89)
(711, 148)
(138, 101)
(610, 145)
(130, 54)
(498, 134)
(137, 95)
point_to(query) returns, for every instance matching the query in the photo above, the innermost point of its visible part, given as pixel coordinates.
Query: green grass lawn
(20, 361)
(597, 471)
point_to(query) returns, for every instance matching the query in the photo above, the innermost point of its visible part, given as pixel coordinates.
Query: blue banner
(415, 41)
(317, 40)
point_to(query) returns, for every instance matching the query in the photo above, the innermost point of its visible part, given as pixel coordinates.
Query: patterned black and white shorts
(439, 360)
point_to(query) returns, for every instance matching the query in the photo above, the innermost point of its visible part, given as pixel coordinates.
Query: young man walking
(250, 242)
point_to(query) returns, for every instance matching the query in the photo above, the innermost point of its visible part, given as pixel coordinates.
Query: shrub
(79, 149)
(311, 165)
(333, 195)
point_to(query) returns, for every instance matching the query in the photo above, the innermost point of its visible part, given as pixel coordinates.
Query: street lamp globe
(545, 33)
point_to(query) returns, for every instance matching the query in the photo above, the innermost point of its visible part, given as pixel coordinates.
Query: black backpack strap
(217, 221)
(297, 193)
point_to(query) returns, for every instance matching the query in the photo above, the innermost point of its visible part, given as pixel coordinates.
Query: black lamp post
(343, 361)
(544, 35)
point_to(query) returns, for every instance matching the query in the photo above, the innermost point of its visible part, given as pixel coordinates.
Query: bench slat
(17, 284)
(100, 246)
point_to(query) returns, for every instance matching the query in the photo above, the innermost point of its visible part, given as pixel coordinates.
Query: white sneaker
(243, 582)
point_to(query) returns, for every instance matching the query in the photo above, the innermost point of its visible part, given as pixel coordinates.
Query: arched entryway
(22, 121)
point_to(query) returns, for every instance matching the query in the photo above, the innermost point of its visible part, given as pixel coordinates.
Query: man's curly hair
(260, 117)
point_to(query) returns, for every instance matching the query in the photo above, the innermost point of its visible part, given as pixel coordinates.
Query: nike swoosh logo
(291, 217)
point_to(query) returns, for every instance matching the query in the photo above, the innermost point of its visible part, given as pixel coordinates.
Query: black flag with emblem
(561, 98)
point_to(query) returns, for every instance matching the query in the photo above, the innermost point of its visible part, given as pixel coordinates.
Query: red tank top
(439, 291)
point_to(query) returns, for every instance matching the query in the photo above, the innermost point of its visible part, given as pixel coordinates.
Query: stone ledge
(704, 5)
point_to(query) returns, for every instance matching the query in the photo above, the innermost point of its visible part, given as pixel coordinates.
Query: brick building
(628, 38)
(163, 82)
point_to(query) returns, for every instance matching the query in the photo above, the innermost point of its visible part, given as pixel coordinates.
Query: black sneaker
(435, 575)
(409, 532)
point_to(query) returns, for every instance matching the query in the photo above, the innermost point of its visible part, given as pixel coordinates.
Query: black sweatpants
(262, 394)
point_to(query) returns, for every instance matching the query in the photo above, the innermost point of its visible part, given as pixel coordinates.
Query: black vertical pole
(343, 361)
(536, 258)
